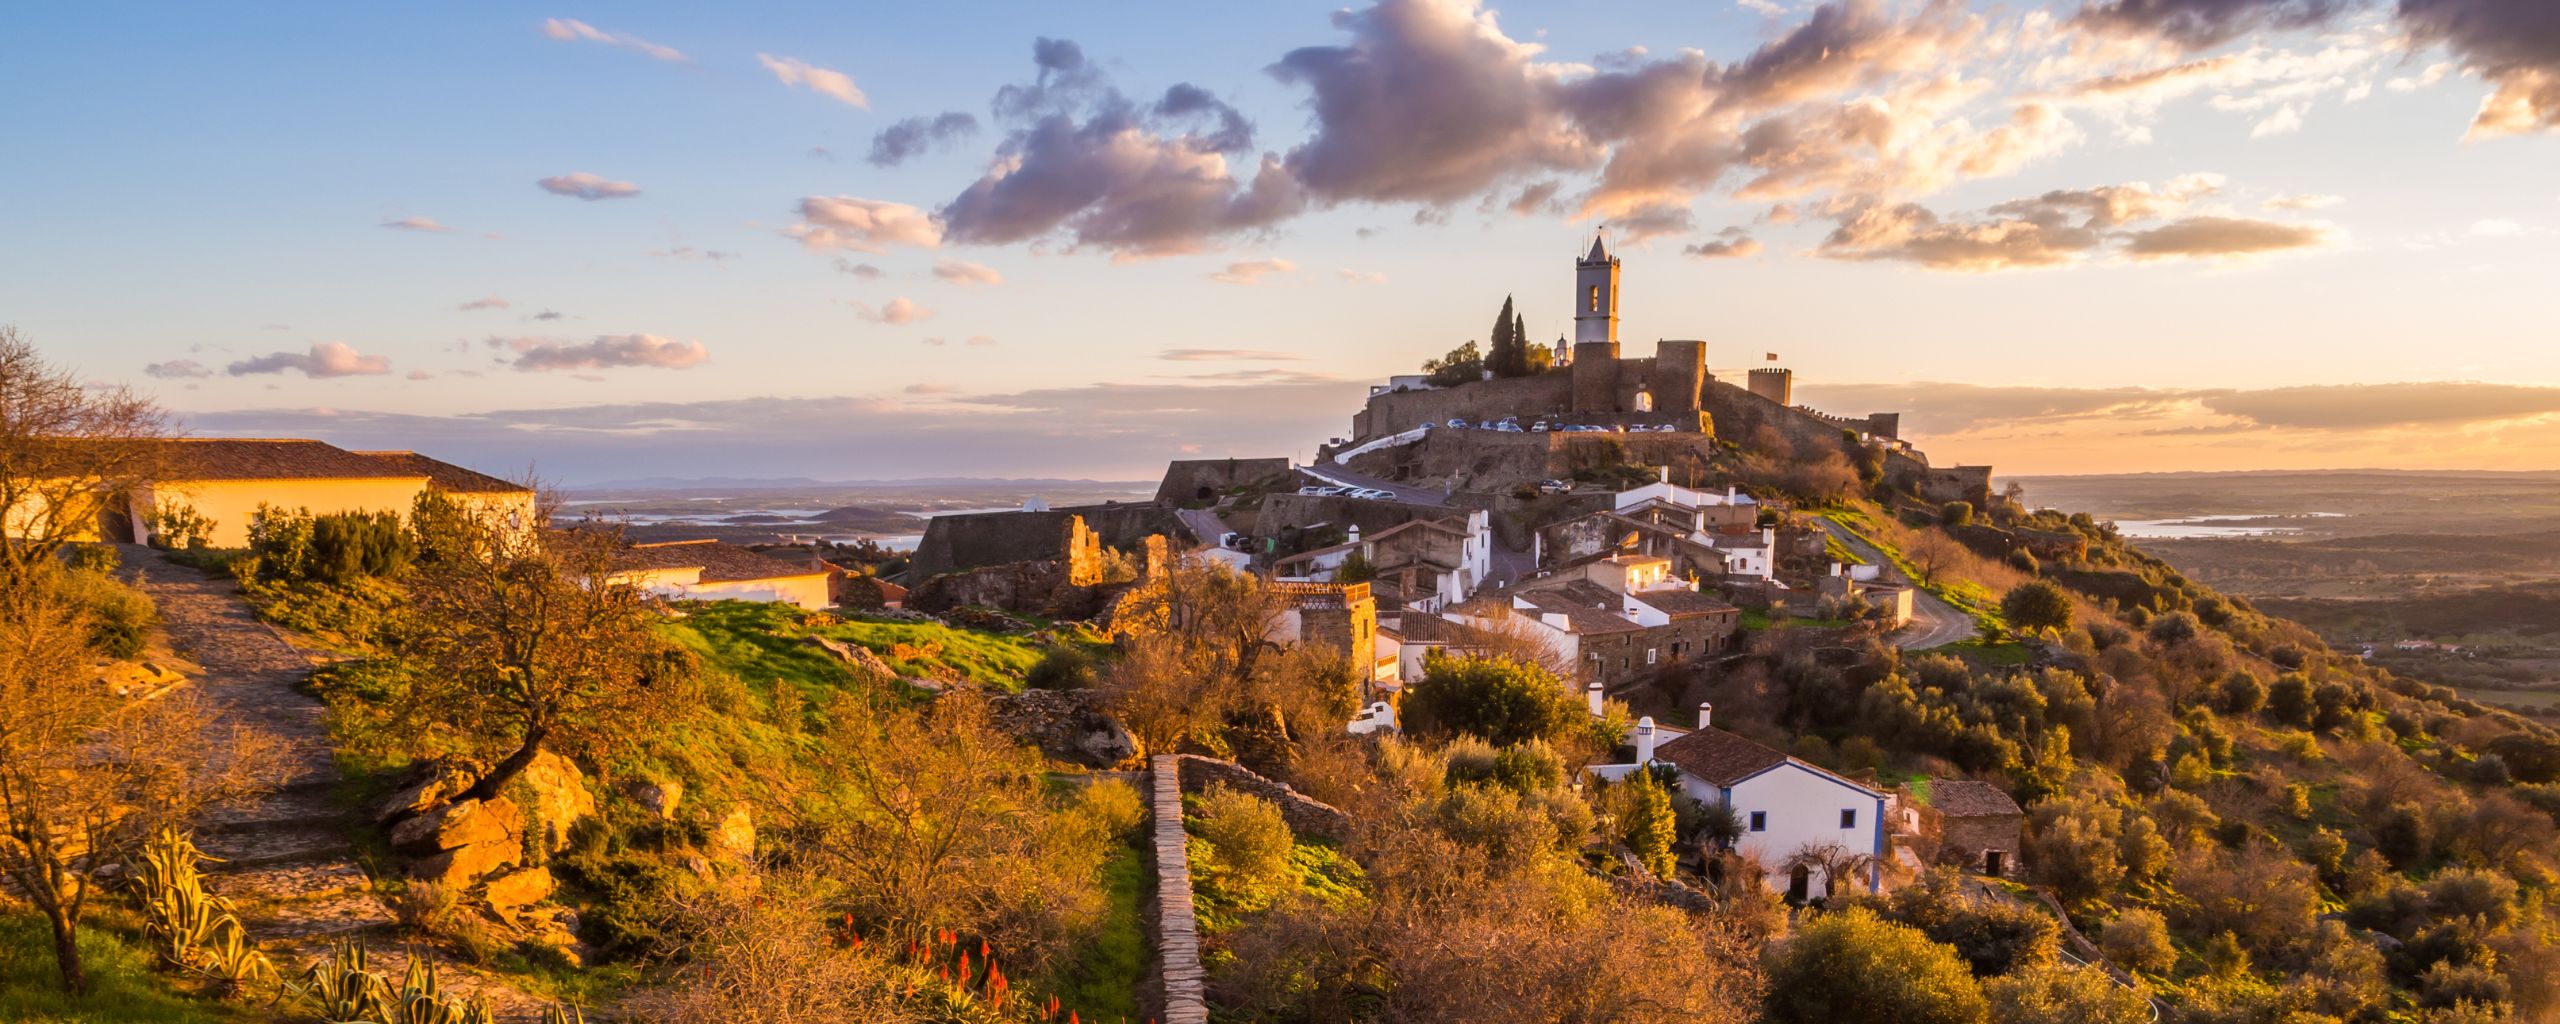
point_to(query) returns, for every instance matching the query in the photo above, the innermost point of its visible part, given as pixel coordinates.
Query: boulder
(467, 823)
(559, 795)
(510, 893)
(1067, 725)
(457, 868)
(735, 837)
(657, 798)
(440, 782)
(854, 656)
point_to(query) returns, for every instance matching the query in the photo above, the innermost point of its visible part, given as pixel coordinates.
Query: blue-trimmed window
(1759, 821)
(1848, 817)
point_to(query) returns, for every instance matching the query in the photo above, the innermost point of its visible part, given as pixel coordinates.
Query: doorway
(1991, 863)
(1799, 884)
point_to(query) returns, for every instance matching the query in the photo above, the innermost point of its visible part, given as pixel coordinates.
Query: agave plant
(558, 1013)
(230, 962)
(342, 990)
(421, 1000)
(179, 913)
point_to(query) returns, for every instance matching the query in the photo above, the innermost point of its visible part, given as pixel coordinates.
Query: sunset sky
(853, 241)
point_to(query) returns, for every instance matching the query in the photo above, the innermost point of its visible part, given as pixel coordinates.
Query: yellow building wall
(809, 592)
(232, 504)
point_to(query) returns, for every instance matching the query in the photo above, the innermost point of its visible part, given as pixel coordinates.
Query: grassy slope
(1103, 985)
(124, 986)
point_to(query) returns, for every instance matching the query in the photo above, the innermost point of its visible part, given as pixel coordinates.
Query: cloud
(2303, 202)
(1136, 180)
(1112, 431)
(178, 369)
(916, 136)
(2495, 227)
(491, 302)
(1253, 271)
(1219, 355)
(2513, 44)
(980, 341)
(1723, 248)
(800, 74)
(963, 272)
(931, 389)
(1652, 221)
(416, 224)
(898, 313)
(1361, 277)
(567, 29)
(421, 375)
(2369, 406)
(862, 225)
(688, 254)
(864, 271)
(2204, 24)
(2285, 121)
(590, 187)
(603, 352)
(325, 359)
(547, 315)
(1910, 233)
(2221, 237)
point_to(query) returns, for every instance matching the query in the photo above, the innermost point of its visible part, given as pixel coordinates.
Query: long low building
(223, 482)
(708, 570)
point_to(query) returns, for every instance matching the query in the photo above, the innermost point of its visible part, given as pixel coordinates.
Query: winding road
(1934, 622)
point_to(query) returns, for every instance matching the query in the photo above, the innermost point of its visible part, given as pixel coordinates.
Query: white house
(1792, 812)
(708, 570)
(1422, 564)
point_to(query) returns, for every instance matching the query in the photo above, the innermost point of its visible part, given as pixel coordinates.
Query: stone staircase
(284, 857)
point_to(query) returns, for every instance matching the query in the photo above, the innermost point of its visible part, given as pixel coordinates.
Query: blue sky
(2334, 252)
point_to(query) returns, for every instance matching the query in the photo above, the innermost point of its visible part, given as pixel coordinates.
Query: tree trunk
(66, 952)
(506, 771)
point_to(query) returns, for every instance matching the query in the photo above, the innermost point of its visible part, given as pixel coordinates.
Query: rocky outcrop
(854, 656)
(458, 844)
(734, 838)
(558, 798)
(1067, 725)
(657, 798)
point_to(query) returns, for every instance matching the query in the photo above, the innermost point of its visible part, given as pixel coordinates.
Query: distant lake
(2221, 527)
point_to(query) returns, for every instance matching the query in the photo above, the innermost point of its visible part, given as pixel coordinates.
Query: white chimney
(1729, 493)
(1835, 568)
(1594, 693)
(1355, 534)
(1706, 714)
(1664, 474)
(1644, 741)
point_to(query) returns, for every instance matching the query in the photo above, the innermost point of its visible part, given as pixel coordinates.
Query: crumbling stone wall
(1529, 397)
(1306, 815)
(957, 542)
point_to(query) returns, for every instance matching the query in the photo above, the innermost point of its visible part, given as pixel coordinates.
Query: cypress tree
(1505, 356)
(1520, 343)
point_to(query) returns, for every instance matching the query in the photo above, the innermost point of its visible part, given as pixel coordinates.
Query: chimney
(1594, 693)
(1835, 568)
(1706, 714)
(1665, 474)
(1644, 741)
(1355, 534)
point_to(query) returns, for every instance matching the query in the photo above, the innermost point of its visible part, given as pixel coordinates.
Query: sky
(869, 241)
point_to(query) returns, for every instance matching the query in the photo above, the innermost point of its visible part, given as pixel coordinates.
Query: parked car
(1539, 427)
(1457, 424)
(1507, 427)
(1372, 494)
(1553, 487)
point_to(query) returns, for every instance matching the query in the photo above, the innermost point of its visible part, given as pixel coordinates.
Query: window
(1759, 821)
(1595, 298)
(1848, 817)
(1648, 654)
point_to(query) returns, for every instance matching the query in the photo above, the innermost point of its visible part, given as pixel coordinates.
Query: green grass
(123, 986)
(1969, 597)
(2523, 698)
(1102, 985)
(1983, 652)
(761, 643)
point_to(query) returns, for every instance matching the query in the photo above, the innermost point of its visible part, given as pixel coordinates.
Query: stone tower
(1595, 329)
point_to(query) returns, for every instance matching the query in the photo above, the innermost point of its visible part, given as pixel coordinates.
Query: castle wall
(1399, 411)
(1595, 377)
(1678, 376)
(951, 543)
(1192, 480)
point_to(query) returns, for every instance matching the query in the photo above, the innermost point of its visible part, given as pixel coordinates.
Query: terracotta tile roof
(720, 563)
(1965, 798)
(1717, 757)
(243, 458)
(1584, 614)
(1681, 604)
(444, 476)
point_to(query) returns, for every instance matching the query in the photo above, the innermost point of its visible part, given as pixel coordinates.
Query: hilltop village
(1658, 696)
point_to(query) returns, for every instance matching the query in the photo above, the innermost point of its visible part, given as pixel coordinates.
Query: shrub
(1994, 937)
(2036, 605)
(1061, 668)
(2173, 628)
(1502, 702)
(2057, 994)
(1113, 806)
(1956, 513)
(2138, 940)
(1854, 966)
(1245, 845)
(1648, 825)
(120, 617)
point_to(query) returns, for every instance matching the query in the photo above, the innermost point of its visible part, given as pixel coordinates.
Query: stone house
(1973, 825)
(1615, 618)
(1340, 617)
(1422, 564)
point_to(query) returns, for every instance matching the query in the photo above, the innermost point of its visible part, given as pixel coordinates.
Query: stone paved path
(285, 858)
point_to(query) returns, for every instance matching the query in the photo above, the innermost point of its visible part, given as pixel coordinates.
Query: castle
(1605, 384)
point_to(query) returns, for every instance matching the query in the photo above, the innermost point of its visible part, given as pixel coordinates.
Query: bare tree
(86, 774)
(68, 452)
(531, 643)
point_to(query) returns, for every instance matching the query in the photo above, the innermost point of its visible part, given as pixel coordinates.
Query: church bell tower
(1595, 296)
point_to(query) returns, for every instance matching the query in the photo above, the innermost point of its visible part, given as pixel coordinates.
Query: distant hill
(720, 483)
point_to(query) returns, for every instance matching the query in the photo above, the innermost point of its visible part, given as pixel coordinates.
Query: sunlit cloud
(800, 74)
(570, 29)
(587, 186)
(323, 359)
(604, 351)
